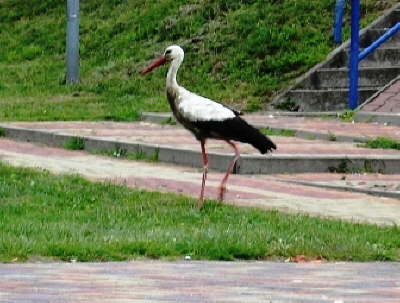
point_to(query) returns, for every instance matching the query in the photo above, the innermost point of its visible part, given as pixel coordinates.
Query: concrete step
(321, 96)
(373, 34)
(390, 20)
(381, 57)
(173, 144)
(322, 100)
(329, 78)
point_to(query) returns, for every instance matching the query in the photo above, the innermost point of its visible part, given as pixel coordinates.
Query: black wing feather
(235, 129)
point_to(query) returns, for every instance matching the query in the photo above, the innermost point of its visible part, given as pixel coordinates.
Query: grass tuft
(347, 116)
(331, 136)
(382, 142)
(75, 143)
(278, 132)
(138, 156)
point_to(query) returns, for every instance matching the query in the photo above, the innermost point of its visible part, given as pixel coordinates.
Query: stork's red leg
(205, 169)
(222, 187)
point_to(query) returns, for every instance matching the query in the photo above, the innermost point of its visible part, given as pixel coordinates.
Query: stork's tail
(248, 134)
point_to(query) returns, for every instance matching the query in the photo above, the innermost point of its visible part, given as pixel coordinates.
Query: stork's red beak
(156, 63)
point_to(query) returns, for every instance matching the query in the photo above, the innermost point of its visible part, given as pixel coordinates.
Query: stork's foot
(200, 202)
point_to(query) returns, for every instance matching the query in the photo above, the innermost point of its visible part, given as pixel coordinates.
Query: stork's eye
(168, 52)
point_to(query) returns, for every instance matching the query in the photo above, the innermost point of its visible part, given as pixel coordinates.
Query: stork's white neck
(172, 71)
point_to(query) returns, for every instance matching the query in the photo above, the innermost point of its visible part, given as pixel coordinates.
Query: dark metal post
(72, 52)
(354, 50)
(337, 27)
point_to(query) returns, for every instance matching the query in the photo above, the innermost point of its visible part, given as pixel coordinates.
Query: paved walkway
(387, 101)
(264, 191)
(151, 281)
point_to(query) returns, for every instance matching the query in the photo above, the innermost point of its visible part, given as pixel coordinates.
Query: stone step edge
(247, 164)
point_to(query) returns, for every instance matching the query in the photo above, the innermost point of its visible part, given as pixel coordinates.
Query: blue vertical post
(337, 27)
(354, 49)
(72, 43)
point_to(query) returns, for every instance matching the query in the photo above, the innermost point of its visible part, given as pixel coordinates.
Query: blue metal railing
(354, 50)
(337, 27)
(355, 55)
(374, 45)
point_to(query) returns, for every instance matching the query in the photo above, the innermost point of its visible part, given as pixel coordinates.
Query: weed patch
(125, 154)
(347, 116)
(332, 137)
(381, 142)
(278, 132)
(75, 143)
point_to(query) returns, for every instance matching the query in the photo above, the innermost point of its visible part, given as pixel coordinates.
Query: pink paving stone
(291, 189)
(371, 107)
(383, 97)
(387, 100)
(395, 87)
(190, 188)
(86, 125)
(31, 149)
(387, 108)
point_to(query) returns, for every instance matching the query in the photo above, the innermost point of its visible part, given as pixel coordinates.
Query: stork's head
(173, 52)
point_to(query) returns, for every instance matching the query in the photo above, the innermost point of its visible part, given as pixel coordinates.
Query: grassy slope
(66, 217)
(240, 52)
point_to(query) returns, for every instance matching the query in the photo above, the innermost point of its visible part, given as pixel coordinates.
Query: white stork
(206, 118)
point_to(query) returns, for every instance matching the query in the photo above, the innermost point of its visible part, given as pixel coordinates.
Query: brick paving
(386, 101)
(200, 281)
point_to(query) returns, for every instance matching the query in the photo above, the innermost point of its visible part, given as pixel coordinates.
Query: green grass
(331, 136)
(75, 143)
(382, 142)
(43, 216)
(237, 51)
(278, 132)
(347, 116)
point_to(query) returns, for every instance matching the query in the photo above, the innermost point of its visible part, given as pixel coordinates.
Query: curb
(247, 164)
